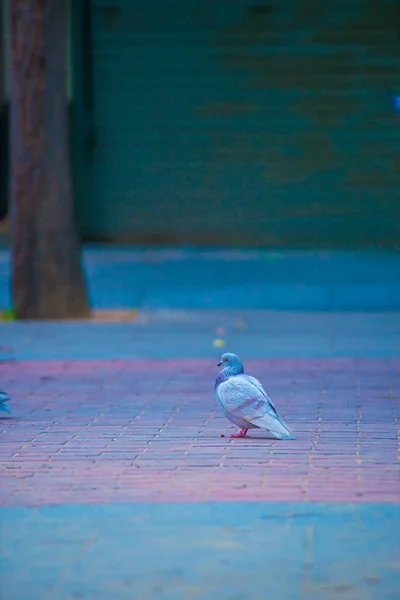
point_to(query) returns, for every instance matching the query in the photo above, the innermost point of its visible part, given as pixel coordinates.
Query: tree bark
(47, 276)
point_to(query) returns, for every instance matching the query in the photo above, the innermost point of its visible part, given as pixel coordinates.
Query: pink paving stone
(149, 431)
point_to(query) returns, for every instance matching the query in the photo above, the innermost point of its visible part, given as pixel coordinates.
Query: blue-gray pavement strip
(148, 278)
(192, 334)
(224, 551)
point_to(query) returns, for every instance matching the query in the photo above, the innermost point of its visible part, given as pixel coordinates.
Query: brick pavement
(115, 480)
(130, 431)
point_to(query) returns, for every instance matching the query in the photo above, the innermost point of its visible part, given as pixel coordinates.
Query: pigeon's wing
(242, 398)
(3, 399)
(258, 385)
(255, 382)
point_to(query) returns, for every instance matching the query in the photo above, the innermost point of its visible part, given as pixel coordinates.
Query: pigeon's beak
(219, 364)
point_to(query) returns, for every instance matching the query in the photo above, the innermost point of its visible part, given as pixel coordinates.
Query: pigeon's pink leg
(242, 433)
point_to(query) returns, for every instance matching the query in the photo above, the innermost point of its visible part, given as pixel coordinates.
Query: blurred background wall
(236, 122)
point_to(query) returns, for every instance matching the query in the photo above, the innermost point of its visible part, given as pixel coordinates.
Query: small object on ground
(219, 343)
(222, 435)
(245, 402)
(4, 407)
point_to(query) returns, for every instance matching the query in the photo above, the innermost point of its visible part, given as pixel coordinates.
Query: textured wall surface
(237, 122)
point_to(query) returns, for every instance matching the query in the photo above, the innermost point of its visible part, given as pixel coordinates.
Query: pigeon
(245, 402)
(4, 398)
(395, 102)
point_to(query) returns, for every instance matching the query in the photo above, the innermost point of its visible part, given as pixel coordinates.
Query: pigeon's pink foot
(242, 433)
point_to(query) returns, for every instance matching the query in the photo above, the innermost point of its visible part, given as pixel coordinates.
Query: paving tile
(107, 431)
(176, 551)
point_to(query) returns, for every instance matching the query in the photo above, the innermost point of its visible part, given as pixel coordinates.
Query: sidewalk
(115, 480)
(153, 279)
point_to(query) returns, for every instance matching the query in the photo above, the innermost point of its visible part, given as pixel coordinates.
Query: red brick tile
(130, 431)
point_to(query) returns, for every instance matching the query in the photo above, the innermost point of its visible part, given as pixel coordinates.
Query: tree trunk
(47, 278)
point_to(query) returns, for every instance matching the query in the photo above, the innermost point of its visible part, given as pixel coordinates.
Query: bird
(245, 402)
(395, 98)
(4, 398)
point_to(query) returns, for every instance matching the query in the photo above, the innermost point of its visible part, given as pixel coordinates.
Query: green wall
(236, 123)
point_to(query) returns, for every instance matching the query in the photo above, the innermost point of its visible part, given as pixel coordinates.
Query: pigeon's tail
(283, 435)
(286, 426)
(278, 428)
(4, 407)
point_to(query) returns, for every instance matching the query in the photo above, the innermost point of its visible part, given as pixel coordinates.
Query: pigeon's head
(232, 362)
